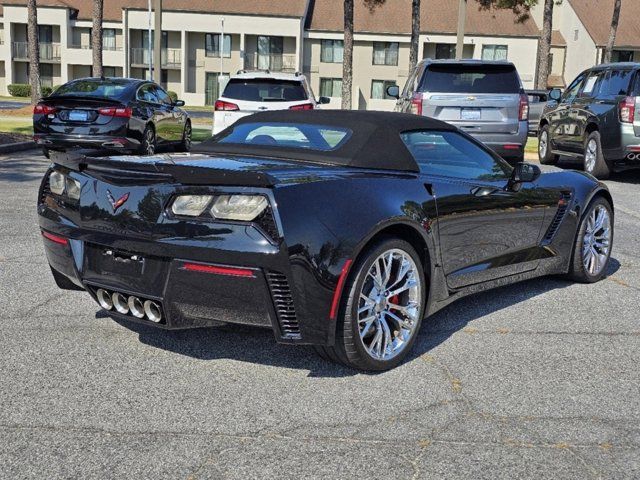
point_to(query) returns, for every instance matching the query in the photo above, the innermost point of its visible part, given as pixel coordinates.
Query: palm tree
(614, 30)
(96, 37)
(347, 59)
(415, 34)
(544, 45)
(34, 51)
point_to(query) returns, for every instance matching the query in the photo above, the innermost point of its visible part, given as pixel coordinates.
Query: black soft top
(374, 143)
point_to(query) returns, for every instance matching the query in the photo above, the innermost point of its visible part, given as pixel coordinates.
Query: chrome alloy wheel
(591, 155)
(596, 242)
(543, 144)
(389, 304)
(150, 141)
(187, 137)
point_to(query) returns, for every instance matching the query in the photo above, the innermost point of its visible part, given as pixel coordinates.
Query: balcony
(88, 46)
(275, 62)
(49, 52)
(169, 57)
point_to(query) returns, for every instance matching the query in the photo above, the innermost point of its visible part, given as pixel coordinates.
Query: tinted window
(617, 82)
(163, 96)
(452, 155)
(265, 90)
(593, 84)
(93, 88)
(310, 137)
(572, 90)
(461, 78)
(147, 93)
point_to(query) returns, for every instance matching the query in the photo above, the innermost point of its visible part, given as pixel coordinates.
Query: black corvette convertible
(342, 230)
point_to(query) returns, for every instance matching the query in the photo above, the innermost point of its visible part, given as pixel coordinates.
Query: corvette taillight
(627, 109)
(42, 109)
(221, 105)
(304, 106)
(524, 108)
(124, 112)
(416, 104)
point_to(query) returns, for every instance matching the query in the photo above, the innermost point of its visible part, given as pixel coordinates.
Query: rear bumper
(507, 145)
(107, 142)
(244, 283)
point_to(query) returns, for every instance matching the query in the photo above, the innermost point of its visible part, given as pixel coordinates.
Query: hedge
(24, 90)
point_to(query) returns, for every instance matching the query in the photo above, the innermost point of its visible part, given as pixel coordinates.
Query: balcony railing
(169, 57)
(48, 51)
(87, 46)
(275, 62)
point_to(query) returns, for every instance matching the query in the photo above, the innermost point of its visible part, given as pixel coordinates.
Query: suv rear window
(466, 78)
(265, 90)
(617, 82)
(92, 88)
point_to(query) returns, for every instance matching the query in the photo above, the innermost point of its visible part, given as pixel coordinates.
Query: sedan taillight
(124, 112)
(523, 114)
(304, 106)
(627, 109)
(42, 109)
(222, 105)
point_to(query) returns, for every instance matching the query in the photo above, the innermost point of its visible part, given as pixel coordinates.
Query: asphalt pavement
(535, 380)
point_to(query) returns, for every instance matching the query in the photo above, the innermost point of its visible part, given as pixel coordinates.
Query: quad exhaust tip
(133, 305)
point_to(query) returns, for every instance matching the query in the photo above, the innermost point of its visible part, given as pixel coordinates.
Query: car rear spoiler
(159, 168)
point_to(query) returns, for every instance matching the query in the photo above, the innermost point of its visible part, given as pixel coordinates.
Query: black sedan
(342, 230)
(115, 114)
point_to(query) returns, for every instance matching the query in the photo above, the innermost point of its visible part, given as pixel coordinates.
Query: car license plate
(78, 115)
(470, 114)
(121, 263)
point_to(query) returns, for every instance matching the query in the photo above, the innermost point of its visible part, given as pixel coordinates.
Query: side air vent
(267, 223)
(563, 206)
(283, 302)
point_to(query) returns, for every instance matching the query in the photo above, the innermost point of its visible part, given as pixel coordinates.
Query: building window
(576, 34)
(331, 87)
(494, 52)
(212, 45)
(46, 75)
(622, 56)
(379, 89)
(385, 53)
(109, 71)
(445, 51)
(109, 39)
(331, 51)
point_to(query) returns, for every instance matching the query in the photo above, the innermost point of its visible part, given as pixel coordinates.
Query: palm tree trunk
(96, 37)
(34, 51)
(612, 33)
(347, 60)
(415, 34)
(544, 46)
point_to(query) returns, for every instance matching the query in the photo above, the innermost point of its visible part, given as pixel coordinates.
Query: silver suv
(484, 99)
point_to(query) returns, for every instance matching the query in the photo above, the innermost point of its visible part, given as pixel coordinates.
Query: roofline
(205, 12)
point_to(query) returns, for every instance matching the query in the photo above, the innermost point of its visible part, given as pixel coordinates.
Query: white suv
(251, 92)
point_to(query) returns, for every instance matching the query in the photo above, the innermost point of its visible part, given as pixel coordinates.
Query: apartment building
(294, 35)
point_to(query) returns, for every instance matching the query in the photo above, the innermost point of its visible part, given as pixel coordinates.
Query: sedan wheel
(591, 155)
(148, 145)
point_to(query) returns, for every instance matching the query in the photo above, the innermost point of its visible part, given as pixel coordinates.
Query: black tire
(544, 154)
(185, 145)
(577, 269)
(148, 143)
(349, 349)
(594, 162)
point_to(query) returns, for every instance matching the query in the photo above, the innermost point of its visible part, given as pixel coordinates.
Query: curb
(17, 147)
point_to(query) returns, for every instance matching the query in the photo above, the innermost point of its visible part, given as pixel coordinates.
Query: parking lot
(535, 380)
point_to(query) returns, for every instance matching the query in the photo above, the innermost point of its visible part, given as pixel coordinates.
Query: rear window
(265, 90)
(288, 135)
(466, 78)
(617, 82)
(92, 88)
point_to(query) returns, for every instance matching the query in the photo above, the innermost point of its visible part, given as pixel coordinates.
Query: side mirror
(555, 94)
(393, 91)
(523, 173)
(324, 100)
(179, 103)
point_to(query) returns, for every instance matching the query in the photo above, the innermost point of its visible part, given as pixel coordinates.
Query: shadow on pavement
(23, 168)
(255, 345)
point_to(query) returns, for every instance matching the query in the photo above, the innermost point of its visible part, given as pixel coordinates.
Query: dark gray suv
(483, 98)
(596, 120)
